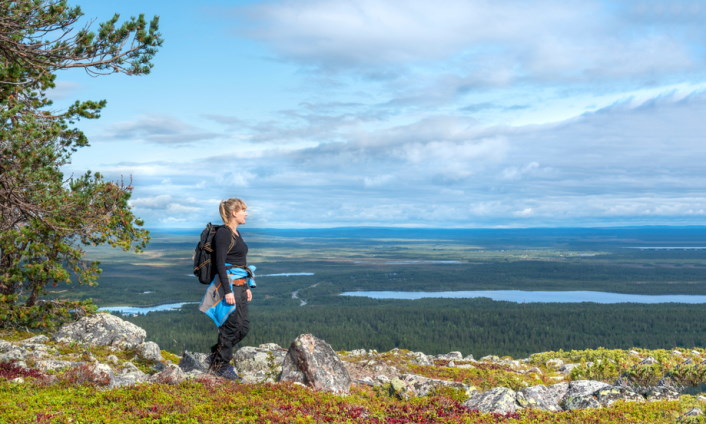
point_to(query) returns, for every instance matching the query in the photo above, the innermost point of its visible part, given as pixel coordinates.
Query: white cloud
(160, 130)
(495, 42)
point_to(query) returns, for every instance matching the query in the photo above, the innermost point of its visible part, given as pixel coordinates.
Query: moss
(168, 356)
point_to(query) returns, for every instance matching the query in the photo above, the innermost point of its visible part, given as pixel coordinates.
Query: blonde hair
(229, 206)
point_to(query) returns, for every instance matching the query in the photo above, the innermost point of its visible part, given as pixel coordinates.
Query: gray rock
(694, 412)
(149, 351)
(40, 339)
(558, 392)
(567, 368)
(38, 350)
(538, 397)
(500, 400)
(554, 363)
(399, 389)
(54, 365)
(451, 356)
(609, 395)
(420, 358)
(194, 361)
(129, 375)
(490, 358)
(417, 385)
(259, 364)
(5, 346)
(662, 393)
(581, 394)
(469, 358)
(312, 361)
(102, 330)
(13, 354)
(648, 361)
(171, 374)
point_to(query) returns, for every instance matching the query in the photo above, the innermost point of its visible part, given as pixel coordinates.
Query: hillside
(113, 376)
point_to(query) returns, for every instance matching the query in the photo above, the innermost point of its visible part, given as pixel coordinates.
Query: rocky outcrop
(102, 330)
(582, 394)
(500, 400)
(312, 362)
(539, 397)
(411, 385)
(262, 364)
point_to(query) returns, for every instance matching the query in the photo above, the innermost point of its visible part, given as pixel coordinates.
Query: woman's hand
(230, 298)
(249, 294)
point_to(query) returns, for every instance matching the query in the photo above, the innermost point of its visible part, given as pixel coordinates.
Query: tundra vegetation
(76, 395)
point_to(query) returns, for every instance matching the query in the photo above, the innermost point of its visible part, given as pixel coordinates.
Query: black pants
(232, 331)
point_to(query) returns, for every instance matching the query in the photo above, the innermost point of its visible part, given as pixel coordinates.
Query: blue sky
(467, 113)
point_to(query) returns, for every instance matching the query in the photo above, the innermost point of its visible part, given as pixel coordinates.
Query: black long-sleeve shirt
(237, 255)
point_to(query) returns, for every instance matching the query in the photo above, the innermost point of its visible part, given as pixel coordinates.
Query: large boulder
(102, 330)
(259, 364)
(312, 362)
(499, 400)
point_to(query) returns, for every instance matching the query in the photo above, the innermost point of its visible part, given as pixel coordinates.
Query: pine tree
(47, 218)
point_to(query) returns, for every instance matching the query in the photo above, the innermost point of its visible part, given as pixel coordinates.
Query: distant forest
(633, 260)
(474, 326)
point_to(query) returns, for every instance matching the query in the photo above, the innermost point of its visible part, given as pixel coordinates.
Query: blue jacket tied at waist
(214, 303)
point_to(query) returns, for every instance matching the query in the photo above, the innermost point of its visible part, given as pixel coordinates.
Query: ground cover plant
(226, 402)
(74, 395)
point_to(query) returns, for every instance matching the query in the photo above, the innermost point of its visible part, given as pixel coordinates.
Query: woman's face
(240, 216)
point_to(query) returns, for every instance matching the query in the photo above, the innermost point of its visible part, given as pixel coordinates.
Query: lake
(137, 310)
(520, 296)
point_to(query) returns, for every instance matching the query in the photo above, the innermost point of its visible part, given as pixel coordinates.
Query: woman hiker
(230, 255)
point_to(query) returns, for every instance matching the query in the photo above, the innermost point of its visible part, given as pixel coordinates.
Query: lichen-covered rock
(451, 356)
(609, 395)
(54, 365)
(410, 385)
(419, 358)
(171, 374)
(581, 394)
(194, 361)
(149, 351)
(312, 361)
(554, 363)
(128, 375)
(259, 364)
(102, 330)
(12, 353)
(662, 393)
(538, 397)
(500, 400)
(36, 339)
(5, 346)
(558, 392)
